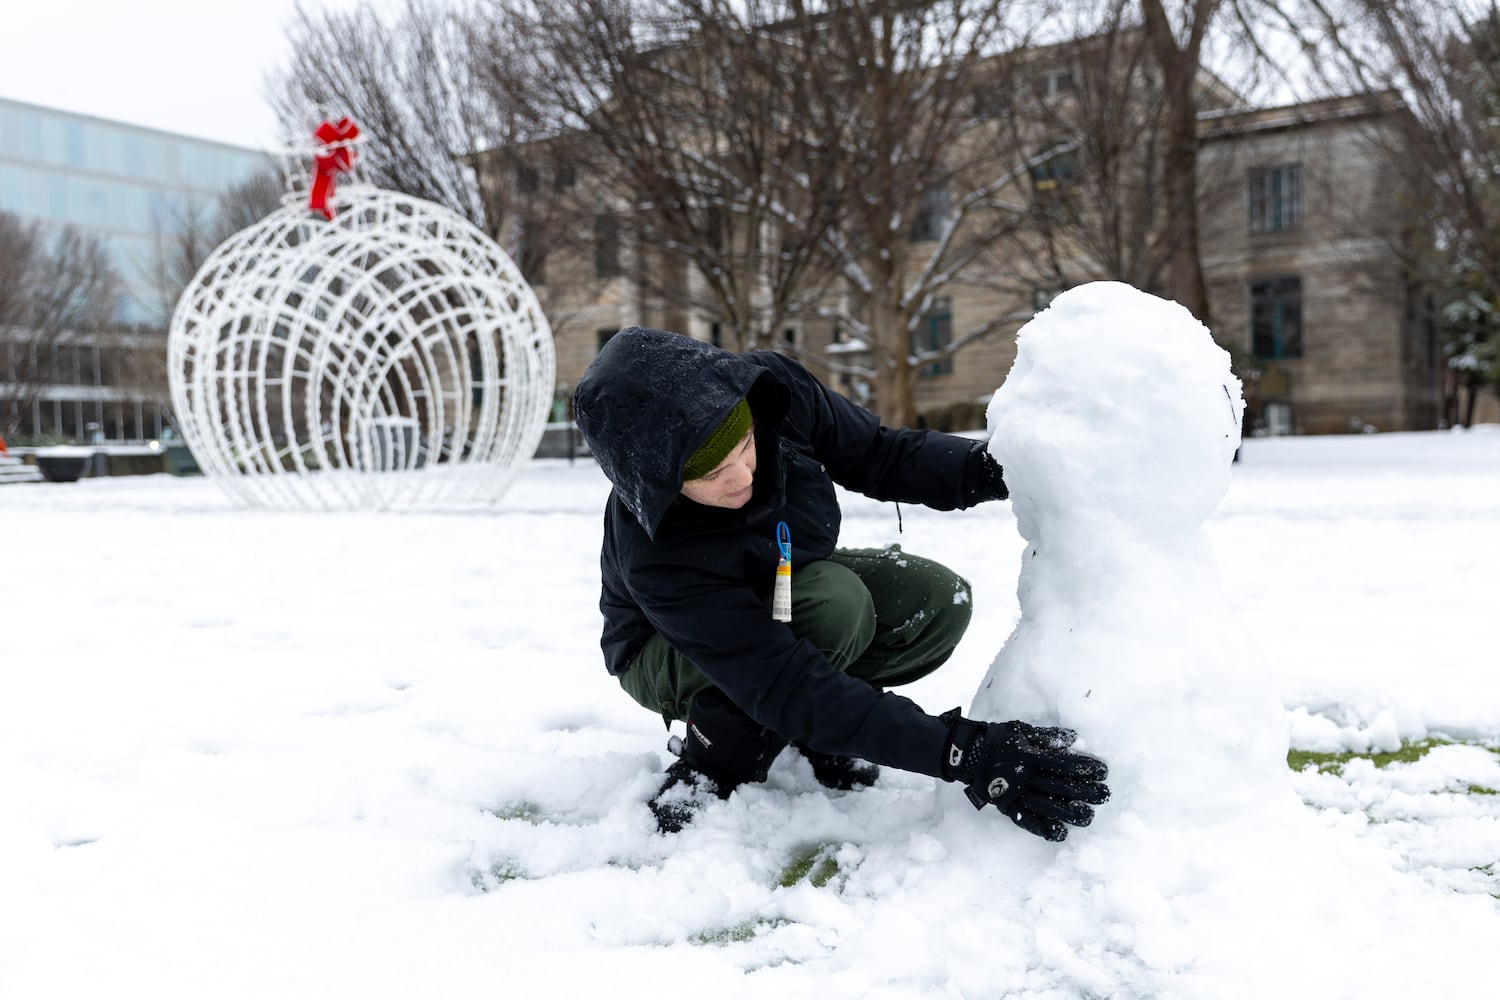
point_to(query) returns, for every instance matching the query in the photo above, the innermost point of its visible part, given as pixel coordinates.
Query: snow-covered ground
(255, 754)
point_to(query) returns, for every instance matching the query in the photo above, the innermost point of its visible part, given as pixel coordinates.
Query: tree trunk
(895, 392)
(895, 401)
(1179, 69)
(1185, 281)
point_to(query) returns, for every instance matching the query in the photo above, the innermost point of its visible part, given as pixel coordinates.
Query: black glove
(983, 477)
(1027, 771)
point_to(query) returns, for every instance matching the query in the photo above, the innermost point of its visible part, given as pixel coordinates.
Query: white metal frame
(391, 358)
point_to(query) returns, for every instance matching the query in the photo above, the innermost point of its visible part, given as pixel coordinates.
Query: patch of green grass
(815, 863)
(1332, 763)
(501, 871)
(738, 934)
(526, 812)
(1488, 870)
(1409, 753)
(1301, 760)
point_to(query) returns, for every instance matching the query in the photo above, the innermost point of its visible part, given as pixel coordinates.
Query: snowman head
(1119, 405)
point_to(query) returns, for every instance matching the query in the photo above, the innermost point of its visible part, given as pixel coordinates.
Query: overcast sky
(181, 65)
(186, 66)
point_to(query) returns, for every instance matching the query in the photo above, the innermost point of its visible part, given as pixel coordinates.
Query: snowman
(1204, 877)
(1116, 428)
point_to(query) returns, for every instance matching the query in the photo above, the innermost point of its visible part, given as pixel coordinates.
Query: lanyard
(781, 597)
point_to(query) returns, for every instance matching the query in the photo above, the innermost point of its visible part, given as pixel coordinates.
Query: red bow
(331, 163)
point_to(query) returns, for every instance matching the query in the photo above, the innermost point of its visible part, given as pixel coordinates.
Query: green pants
(878, 614)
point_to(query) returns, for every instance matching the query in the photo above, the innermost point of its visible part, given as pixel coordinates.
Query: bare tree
(677, 120)
(758, 161)
(407, 83)
(53, 294)
(182, 236)
(19, 246)
(1098, 115)
(186, 234)
(1090, 125)
(242, 205)
(797, 160)
(1178, 50)
(924, 197)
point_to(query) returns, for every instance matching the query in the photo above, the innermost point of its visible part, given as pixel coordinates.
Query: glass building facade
(131, 186)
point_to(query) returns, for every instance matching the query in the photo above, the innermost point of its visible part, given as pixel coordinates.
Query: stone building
(128, 186)
(1309, 275)
(1306, 249)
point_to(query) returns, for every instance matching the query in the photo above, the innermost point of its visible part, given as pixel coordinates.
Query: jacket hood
(650, 399)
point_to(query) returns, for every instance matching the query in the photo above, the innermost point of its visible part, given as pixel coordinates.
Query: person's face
(731, 482)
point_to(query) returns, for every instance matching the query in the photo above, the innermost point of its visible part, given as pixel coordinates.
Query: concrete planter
(63, 464)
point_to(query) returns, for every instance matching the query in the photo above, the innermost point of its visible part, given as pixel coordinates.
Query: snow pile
(288, 754)
(1117, 427)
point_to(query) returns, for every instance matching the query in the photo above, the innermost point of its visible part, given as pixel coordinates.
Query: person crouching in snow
(723, 468)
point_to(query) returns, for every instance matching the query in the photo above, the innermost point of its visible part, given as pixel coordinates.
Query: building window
(935, 333)
(73, 136)
(57, 197)
(606, 246)
(714, 224)
(1054, 172)
(1276, 414)
(932, 216)
(1057, 81)
(991, 100)
(716, 334)
(1275, 198)
(1276, 318)
(603, 337)
(1053, 175)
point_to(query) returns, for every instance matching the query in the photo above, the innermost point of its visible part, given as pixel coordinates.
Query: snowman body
(1204, 877)
(1117, 428)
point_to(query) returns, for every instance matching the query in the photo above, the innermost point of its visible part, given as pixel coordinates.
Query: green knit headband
(719, 443)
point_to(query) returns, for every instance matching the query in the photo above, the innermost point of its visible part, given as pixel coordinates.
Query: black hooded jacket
(692, 572)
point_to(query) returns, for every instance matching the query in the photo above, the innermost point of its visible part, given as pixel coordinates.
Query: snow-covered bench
(13, 470)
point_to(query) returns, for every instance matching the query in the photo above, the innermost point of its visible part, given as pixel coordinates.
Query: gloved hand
(1027, 771)
(983, 477)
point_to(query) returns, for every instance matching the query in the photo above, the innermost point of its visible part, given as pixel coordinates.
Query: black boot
(680, 797)
(837, 771)
(724, 748)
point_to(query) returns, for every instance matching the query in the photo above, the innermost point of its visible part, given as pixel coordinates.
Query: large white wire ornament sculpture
(384, 354)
